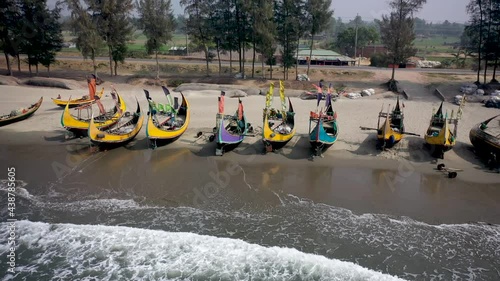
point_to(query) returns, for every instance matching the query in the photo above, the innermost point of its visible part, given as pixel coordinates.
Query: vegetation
(157, 20)
(482, 35)
(398, 33)
(30, 28)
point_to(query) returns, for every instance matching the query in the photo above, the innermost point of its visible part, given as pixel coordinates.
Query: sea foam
(77, 252)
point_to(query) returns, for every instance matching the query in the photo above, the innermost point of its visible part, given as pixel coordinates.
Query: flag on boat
(92, 87)
(221, 102)
(269, 96)
(328, 101)
(240, 110)
(283, 99)
(168, 95)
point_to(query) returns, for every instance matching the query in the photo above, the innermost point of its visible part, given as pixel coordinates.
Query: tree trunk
(187, 44)
(310, 54)
(36, 67)
(494, 80)
(48, 70)
(218, 57)
(297, 60)
(29, 65)
(94, 65)
(231, 63)
(8, 64)
(157, 66)
(480, 44)
(243, 64)
(18, 63)
(393, 71)
(253, 59)
(110, 60)
(485, 70)
(116, 68)
(206, 59)
(263, 67)
(271, 72)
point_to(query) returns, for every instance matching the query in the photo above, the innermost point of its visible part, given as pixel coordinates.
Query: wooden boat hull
(76, 102)
(440, 143)
(387, 137)
(227, 141)
(30, 111)
(80, 127)
(162, 137)
(105, 139)
(439, 137)
(320, 139)
(484, 143)
(275, 140)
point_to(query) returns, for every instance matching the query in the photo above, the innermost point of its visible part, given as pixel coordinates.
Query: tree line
(482, 36)
(30, 28)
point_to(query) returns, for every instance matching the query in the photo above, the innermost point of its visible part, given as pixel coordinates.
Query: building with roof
(323, 57)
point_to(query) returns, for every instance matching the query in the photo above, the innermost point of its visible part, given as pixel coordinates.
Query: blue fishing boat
(323, 127)
(230, 130)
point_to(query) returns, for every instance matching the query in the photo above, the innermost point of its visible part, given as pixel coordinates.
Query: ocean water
(77, 235)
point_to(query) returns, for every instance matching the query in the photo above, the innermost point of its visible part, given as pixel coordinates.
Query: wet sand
(177, 175)
(353, 174)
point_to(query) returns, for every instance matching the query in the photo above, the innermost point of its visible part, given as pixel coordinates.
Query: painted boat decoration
(279, 126)
(20, 114)
(120, 133)
(439, 136)
(485, 137)
(166, 122)
(230, 130)
(87, 99)
(79, 124)
(323, 126)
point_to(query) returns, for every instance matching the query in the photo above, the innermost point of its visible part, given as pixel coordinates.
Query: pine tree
(112, 18)
(199, 25)
(319, 14)
(42, 37)
(9, 20)
(398, 33)
(157, 21)
(84, 26)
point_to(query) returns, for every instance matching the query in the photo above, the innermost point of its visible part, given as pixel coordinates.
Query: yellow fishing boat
(87, 99)
(79, 125)
(392, 129)
(120, 133)
(166, 123)
(279, 126)
(439, 136)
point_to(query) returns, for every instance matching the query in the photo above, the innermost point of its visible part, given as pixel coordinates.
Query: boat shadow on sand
(480, 161)
(368, 147)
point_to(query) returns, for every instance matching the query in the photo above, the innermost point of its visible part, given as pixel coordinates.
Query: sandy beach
(378, 209)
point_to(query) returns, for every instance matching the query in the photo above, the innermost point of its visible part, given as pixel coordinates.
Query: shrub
(176, 82)
(379, 60)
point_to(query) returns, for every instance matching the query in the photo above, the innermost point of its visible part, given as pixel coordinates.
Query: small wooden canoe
(21, 114)
(392, 128)
(77, 102)
(79, 126)
(120, 133)
(231, 129)
(166, 124)
(439, 135)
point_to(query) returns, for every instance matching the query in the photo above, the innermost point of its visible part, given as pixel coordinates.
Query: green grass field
(435, 45)
(136, 43)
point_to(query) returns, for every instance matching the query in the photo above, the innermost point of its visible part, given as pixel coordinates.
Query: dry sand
(353, 143)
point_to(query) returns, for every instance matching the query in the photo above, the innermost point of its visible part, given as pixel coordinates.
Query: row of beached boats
(166, 122)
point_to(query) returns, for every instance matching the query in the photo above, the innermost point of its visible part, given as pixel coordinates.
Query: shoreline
(353, 174)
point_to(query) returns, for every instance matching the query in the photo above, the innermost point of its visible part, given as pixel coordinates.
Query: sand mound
(9, 80)
(51, 83)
